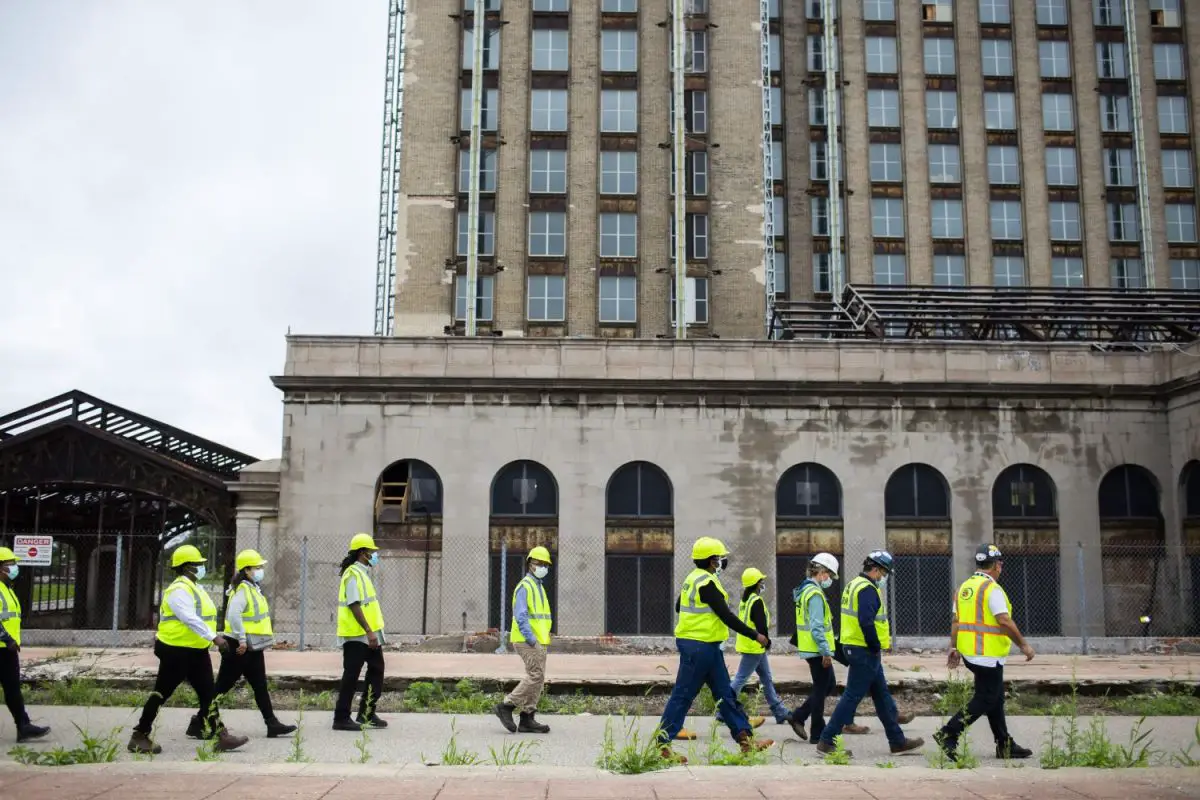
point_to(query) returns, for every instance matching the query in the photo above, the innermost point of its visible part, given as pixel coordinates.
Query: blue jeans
(756, 663)
(701, 663)
(865, 677)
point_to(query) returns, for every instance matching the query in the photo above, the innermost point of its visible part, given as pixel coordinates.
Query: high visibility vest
(745, 644)
(173, 632)
(852, 634)
(697, 620)
(978, 632)
(10, 613)
(347, 625)
(805, 642)
(538, 604)
(256, 616)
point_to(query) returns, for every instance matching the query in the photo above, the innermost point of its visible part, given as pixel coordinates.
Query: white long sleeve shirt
(183, 605)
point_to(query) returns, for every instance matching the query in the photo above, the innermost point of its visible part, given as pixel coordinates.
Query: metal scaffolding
(389, 174)
(768, 166)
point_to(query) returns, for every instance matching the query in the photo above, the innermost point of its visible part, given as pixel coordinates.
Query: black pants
(987, 701)
(176, 665)
(823, 684)
(253, 666)
(10, 682)
(354, 656)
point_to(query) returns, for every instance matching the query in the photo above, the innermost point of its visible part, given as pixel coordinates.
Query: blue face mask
(257, 575)
(374, 559)
(13, 572)
(201, 571)
(826, 583)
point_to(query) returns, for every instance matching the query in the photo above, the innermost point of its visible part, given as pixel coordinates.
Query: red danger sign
(34, 551)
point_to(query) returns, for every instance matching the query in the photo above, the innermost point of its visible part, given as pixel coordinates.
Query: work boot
(347, 725)
(685, 735)
(140, 743)
(749, 744)
(28, 732)
(908, 745)
(227, 741)
(905, 717)
(670, 755)
(757, 722)
(504, 712)
(1010, 749)
(826, 748)
(530, 725)
(948, 743)
(195, 728)
(372, 721)
(798, 728)
(856, 730)
(275, 728)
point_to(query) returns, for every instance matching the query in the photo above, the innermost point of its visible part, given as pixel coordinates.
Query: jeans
(176, 665)
(10, 682)
(354, 655)
(756, 663)
(253, 666)
(865, 677)
(987, 701)
(700, 664)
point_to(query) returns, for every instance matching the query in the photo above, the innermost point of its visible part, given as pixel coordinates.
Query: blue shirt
(815, 614)
(521, 612)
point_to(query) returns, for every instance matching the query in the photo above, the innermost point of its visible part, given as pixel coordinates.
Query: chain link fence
(1065, 596)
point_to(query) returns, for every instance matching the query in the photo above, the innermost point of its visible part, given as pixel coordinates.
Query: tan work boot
(227, 741)
(670, 755)
(757, 722)
(905, 717)
(685, 735)
(856, 730)
(749, 744)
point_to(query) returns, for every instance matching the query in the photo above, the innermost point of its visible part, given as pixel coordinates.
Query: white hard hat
(827, 561)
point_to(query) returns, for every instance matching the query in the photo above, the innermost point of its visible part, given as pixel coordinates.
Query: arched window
(408, 519)
(1132, 553)
(808, 520)
(919, 535)
(1128, 492)
(524, 515)
(1190, 492)
(1025, 521)
(639, 548)
(407, 488)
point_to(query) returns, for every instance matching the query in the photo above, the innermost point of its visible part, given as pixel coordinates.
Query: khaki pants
(527, 693)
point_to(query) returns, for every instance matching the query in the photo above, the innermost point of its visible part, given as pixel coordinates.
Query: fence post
(116, 617)
(1082, 578)
(503, 590)
(303, 589)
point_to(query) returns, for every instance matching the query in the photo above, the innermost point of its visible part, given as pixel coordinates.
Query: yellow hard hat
(248, 558)
(540, 553)
(752, 577)
(186, 555)
(7, 555)
(706, 547)
(362, 540)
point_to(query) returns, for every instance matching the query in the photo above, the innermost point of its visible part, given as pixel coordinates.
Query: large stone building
(986, 142)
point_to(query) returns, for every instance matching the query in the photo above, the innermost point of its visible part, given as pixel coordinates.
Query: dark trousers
(987, 701)
(252, 665)
(10, 682)
(865, 677)
(700, 664)
(176, 665)
(823, 684)
(354, 656)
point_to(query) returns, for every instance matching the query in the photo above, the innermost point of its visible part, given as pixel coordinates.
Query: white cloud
(179, 183)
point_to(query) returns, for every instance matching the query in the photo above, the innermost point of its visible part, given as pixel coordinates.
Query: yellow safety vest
(852, 634)
(256, 617)
(10, 613)
(744, 644)
(697, 620)
(978, 632)
(538, 603)
(805, 642)
(347, 625)
(173, 632)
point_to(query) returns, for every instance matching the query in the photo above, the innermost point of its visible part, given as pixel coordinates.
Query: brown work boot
(140, 743)
(825, 749)
(856, 730)
(227, 741)
(685, 735)
(670, 755)
(749, 744)
(908, 745)
(905, 717)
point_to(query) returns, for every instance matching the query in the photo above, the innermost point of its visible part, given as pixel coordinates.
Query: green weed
(1184, 757)
(886, 764)
(718, 755)
(839, 757)
(513, 754)
(91, 750)
(452, 756)
(633, 755)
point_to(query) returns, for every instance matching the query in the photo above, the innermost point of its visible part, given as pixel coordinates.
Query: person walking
(704, 623)
(982, 636)
(865, 635)
(10, 647)
(249, 632)
(529, 635)
(753, 613)
(187, 627)
(360, 634)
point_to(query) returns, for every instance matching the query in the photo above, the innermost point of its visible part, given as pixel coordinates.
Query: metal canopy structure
(1101, 317)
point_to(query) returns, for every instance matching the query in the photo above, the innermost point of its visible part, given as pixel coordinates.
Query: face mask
(373, 560)
(883, 582)
(257, 575)
(762, 588)
(825, 583)
(540, 572)
(13, 571)
(201, 572)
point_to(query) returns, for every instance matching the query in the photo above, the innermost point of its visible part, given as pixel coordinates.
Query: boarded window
(639, 595)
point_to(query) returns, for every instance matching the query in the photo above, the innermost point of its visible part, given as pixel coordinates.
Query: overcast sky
(180, 182)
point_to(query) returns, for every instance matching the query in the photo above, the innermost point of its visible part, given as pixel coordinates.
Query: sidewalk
(616, 674)
(193, 781)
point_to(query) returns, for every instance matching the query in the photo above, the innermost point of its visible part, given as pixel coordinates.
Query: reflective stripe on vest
(538, 605)
(697, 621)
(852, 633)
(347, 625)
(805, 642)
(743, 643)
(256, 616)
(10, 613)
(979, 634)
(175, 633)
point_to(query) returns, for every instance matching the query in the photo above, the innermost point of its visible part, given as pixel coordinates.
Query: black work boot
(948, 742)
(275, 728)
(28, 732)
(531, 725)
(196, 726)
(504, 712)
(140, 743)
(1010, 749)
(372, 721)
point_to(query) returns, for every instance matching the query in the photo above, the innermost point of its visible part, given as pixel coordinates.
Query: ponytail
(350, 558)
(238, 577)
